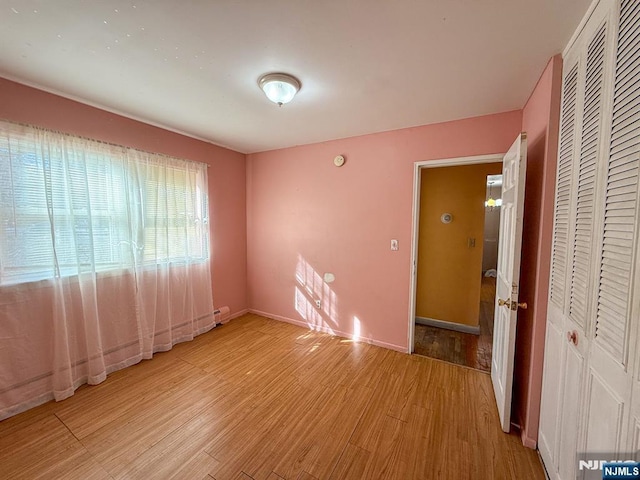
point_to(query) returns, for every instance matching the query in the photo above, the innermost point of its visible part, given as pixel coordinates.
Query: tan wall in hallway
(449, 271)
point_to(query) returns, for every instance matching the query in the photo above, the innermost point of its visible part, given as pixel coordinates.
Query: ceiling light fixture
(280, 88)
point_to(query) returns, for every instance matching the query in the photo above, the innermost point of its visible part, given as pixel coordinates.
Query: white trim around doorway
(417, 167)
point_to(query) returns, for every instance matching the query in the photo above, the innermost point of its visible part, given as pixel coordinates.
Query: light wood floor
(261, 399)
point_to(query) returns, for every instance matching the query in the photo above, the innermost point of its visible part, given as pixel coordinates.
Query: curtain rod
(67, 134)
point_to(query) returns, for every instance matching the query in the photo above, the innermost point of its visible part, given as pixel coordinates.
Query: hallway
(462, 348)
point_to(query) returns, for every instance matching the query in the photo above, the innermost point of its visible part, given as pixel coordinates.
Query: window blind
(70, 205)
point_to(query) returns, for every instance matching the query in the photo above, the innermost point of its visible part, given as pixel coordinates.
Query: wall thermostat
(446, 218)
(338, 161)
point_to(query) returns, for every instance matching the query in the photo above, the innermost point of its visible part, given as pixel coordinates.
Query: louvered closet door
(626, 145)
(608, 420)
(555, 343)
(581, 151)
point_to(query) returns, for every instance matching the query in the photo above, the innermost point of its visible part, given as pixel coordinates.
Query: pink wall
(227, 175)
(540, 119)
(307, 217)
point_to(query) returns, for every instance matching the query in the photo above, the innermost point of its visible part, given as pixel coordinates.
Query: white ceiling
(365, 65)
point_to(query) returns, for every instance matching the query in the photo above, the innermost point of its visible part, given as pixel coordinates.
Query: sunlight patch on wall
(356, 328)
(312, 291)
(310, 313)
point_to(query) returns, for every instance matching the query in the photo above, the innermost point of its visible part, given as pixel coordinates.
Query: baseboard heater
(221, 315)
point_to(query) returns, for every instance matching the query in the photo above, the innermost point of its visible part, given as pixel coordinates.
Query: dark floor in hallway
(462, 348)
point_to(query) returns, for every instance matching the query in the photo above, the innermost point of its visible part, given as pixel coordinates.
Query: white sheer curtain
(104, 260)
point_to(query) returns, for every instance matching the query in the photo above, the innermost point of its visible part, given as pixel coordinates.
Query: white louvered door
(627, 145)
(555, 369)
(592, 324)
(615, 323)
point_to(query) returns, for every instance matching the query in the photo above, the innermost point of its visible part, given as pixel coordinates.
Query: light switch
(394, 244)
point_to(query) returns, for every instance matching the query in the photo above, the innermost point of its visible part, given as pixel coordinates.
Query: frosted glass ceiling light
(280, 88)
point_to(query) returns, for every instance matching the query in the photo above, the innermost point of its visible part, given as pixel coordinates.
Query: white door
(587, 411)
(610, 378)
(514, 166)
(565, 342)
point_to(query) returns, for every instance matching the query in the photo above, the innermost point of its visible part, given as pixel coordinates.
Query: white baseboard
(458, 327)
(330, 331)
(238, 314)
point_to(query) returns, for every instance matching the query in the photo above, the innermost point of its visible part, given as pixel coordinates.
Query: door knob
(504, 303)
(511, 304)
(572, 337)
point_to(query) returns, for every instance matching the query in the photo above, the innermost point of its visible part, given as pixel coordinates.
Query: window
(69, 205)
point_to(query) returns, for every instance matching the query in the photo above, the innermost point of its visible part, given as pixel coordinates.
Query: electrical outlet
(394, 244)
(318, 303)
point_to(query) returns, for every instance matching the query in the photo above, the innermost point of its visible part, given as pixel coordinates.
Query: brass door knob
(511, 304)
(504, 303)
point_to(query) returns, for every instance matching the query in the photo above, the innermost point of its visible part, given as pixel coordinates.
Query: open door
(509, 246)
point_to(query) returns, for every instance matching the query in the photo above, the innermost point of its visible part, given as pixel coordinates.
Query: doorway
(456, 232)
